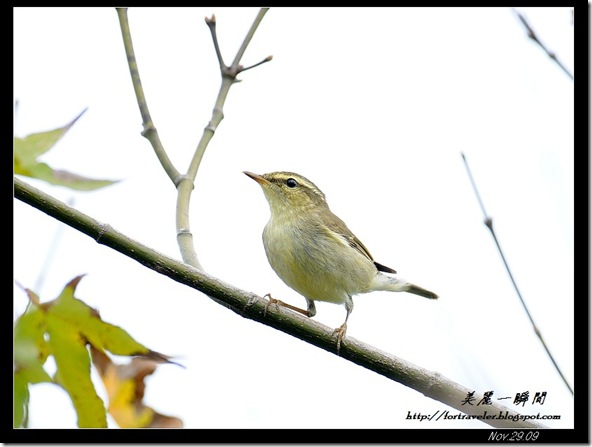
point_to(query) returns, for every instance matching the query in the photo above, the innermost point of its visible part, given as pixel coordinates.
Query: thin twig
(228, 74)
(51, 251)
(211, 22)
(185, 187)
(253, 307)
(532, 35)
(249, 36)
(149, 132)
(267, 59)
(489, 224)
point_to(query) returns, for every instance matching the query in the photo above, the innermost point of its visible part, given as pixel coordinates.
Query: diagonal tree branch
(533, 36)
(488, 221)
(248, 305)
(149, 132)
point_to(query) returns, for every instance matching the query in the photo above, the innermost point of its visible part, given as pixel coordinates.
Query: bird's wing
(339, 229)
(384, 268)
(354, 242)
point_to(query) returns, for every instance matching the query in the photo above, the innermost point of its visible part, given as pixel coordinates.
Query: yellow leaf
(125, 388)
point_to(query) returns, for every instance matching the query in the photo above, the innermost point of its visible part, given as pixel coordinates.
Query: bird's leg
(277, 303)
(341, 330)
(310, 308)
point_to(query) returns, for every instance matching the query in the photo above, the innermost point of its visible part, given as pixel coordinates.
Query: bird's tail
(421, 292)
(393, 284)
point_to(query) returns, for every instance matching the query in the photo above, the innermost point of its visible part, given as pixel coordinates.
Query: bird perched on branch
(314, 252)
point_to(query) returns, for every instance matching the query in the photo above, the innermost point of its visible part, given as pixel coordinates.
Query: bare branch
(149, 132)
(489, 224)
(211, 22)
(249, 36)
(185, 187)
(267, 59)
(533, 36)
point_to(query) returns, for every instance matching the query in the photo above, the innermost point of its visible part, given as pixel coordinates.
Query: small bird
(315, 253)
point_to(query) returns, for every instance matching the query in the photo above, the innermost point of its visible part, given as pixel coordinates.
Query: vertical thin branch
(149, 132)
(489, 224)
(185, 187)
(50, 254)
(229, 74)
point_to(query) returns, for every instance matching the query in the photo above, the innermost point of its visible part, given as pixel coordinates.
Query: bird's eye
(291, 183)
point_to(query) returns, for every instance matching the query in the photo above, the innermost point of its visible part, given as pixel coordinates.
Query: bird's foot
(278, 303)
(340, 332)
(271, 301)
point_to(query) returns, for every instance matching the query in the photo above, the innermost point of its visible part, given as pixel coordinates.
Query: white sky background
(373, 105)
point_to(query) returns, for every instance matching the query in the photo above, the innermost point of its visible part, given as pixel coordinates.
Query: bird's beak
(262, 181)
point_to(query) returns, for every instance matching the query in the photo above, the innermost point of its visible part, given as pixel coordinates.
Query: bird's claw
(271, 301)
(340, 332)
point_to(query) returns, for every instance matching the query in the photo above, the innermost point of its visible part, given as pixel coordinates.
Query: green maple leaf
(64, 328)
(26, 160)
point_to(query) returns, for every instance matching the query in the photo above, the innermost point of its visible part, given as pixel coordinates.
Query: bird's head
(288, 192)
